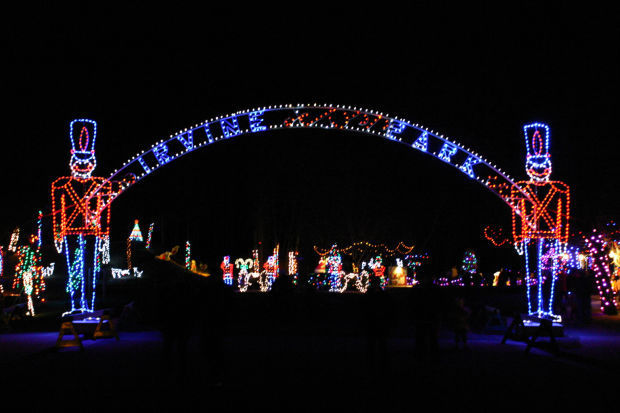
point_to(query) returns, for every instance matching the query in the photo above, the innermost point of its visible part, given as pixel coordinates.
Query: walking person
(459, 318)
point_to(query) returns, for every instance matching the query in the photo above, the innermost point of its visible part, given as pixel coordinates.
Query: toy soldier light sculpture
(227, 270)
(540, 218)
(81, 216)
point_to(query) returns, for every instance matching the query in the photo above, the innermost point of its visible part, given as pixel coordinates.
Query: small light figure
(227, 270)
(321, 268)
(28, 276)
(292, 265)
(28, 288)
(272, 266)
(379, 270)
(14, 240)
(334, 268)
(243, 265)
(398, 274)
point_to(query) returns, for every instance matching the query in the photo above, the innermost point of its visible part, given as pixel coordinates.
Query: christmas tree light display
(136, 234)
(470, 262)
(540, 220)
(469, 266)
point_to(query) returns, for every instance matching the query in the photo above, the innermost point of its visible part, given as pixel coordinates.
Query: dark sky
(475, 74)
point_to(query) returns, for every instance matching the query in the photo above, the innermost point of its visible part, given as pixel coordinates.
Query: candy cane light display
(149, 236)
(601, 254)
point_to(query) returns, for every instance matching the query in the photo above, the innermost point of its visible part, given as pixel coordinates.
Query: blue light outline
(138, 158)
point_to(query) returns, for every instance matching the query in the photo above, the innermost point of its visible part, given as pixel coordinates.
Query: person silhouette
(377, 317)
(214, 312)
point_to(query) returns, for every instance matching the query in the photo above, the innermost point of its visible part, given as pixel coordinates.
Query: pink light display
(598, 249)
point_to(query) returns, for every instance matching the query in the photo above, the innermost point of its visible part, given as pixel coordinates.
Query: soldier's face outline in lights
(538, 160)
(83, 160)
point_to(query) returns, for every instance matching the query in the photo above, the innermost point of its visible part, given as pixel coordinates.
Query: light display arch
(319, 116)
(526, 208)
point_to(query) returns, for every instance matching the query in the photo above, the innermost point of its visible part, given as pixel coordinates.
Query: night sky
(473, 74)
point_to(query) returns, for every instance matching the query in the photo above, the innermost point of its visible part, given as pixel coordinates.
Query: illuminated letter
(144, 165)
(208, 132)
(297, 121)
(395, 127)
(468, 164)
(189, 142)
(422, 142)
(256, 118)
(161, 153)
(448, 150)
(230, 127)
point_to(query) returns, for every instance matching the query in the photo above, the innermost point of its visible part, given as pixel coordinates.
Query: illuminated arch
(337, 117)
